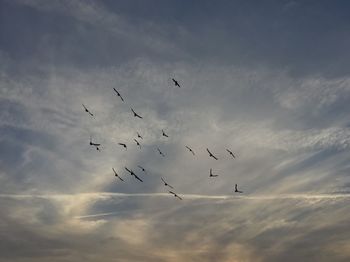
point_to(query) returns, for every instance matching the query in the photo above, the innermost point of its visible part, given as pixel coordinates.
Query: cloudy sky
(269, 80)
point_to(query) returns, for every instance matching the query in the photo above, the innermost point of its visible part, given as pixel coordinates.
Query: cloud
(252, 81)
(164, 225)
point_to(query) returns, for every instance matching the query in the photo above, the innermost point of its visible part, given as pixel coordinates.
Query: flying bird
(139, 136)
(211, 173)
(190, 149)
(211, 155)
(135, 114)
(176, 83)
(231, 153)
(123, 145)
(165, 183)
(160, 152)
(87, 111)
(236, 190)
(163, 133)
(94, 144)
(118, 94)
(143, 169)
(115, 174)
(175, 195)
(137, 143)
(133, 174)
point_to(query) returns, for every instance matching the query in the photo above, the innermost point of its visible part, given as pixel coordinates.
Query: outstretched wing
(137, 177)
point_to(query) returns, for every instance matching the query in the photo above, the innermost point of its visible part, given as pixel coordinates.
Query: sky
(269, 80)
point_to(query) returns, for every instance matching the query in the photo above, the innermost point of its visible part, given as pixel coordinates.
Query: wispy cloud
(281, 106)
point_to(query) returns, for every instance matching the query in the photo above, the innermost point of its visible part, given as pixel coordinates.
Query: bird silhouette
(123, 145)
(175, 195)
(163, 133)
(211, 155)
(231, 153)
(118, 94)
(137, 143)
(133, 174)
(211, 173)
(236, 189)
(135, 114)
(143, 169)
(160, 152)
(165, 183)
(139, 136)
(176, 83)
(94, 144)
(87, 110)
(190, 149)
(115, 174)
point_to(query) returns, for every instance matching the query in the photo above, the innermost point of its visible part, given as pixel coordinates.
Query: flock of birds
(131, 172)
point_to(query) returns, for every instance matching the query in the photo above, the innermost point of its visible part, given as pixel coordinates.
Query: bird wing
(128, 170)
(114, 171)
(137, 177)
